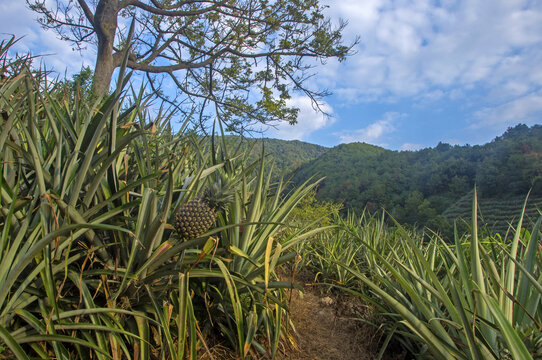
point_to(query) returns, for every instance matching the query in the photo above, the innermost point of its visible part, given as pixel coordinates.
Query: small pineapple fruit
(198, 215)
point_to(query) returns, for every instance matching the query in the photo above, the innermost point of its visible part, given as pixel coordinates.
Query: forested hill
(417, 187)
(287, 155)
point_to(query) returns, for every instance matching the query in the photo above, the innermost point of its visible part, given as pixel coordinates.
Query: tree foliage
(236, 59)
(287, 155)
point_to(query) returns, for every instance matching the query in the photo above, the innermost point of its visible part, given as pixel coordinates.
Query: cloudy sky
(425, 71)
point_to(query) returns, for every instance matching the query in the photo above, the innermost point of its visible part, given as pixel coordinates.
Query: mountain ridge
(416, 187)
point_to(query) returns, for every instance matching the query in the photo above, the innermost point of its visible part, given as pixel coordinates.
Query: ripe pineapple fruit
(198, 215)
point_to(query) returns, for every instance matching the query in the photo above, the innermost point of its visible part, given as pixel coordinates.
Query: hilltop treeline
(287, 155)
(417, 187)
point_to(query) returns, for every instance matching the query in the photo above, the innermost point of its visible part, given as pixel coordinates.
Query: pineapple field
(122, 239)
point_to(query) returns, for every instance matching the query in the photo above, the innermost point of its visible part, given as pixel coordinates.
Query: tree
(81, 82)
(218, 53)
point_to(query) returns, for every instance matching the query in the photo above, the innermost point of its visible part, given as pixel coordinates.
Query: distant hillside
(496, 213)
(288, 155)
(418, 187)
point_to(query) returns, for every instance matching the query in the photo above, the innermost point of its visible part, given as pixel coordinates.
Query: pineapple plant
(198, 215)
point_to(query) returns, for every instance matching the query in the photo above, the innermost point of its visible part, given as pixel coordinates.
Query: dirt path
(327, 327)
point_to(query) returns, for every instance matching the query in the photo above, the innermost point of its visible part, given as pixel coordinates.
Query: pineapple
(198, 215)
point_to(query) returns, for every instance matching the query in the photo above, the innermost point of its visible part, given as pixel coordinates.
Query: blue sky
(425, 71)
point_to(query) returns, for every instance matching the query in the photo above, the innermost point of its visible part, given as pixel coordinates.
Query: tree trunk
(105, 25)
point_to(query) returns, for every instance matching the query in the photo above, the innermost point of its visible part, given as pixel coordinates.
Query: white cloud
(309, 120)
(412, 47)
(431, 96)
(526, 109)
(375, 133)
(16, 19)
(453, 141)
(411, 147)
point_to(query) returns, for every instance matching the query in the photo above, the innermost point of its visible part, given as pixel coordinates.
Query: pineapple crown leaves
(220, 193)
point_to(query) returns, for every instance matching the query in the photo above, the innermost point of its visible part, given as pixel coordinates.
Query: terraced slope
(497, 213)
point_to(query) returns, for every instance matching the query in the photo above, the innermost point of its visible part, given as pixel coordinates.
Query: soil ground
(323, 332)
(330, 327)
(327, 327)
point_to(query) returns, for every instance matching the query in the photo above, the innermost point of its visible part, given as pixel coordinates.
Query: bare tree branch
(164, 12)
(87, 11)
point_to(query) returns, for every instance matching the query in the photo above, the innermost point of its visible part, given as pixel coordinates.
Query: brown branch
(157, 92)
(170, 68)
(272, 53)
(58, 23)
(158, 50)
(202, 96)
(160, 11)
(87, 11)
(161, 6)
(84, 38)
(298, 84)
